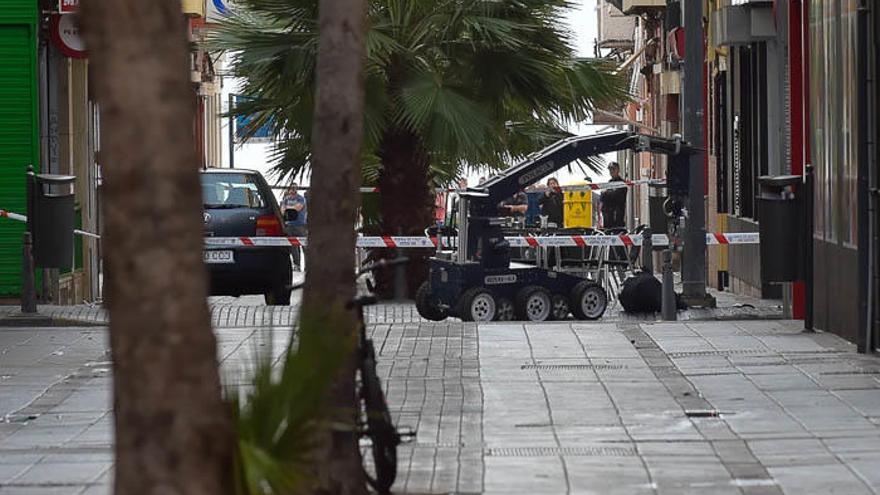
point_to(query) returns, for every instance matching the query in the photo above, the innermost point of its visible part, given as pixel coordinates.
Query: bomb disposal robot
(476, 282)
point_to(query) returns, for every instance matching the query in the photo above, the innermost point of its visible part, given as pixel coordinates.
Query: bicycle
(374, 418)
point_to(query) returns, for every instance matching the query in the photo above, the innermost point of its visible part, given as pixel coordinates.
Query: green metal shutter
(19, 131)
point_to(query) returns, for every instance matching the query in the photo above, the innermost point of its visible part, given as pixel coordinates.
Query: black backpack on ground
(642, 293)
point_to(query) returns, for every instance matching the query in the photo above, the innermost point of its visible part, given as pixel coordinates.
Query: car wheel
(477, 304)
(588, 300)
(533, 303)
(280, 296)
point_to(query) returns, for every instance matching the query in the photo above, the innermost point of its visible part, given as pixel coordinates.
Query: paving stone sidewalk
(727, 407)
(233, 312)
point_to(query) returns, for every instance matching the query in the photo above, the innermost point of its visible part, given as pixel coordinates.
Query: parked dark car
(239, 203)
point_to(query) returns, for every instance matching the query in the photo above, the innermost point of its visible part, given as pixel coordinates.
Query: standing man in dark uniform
(614, 201)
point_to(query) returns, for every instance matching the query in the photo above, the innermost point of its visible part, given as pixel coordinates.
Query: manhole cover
(556, 451)
(571, 367)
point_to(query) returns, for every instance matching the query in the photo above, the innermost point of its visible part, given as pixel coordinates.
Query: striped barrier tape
(22, 218)
(590, 186)
(12, 216)
(597, 186)
(626, 240)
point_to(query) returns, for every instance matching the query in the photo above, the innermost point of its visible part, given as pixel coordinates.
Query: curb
(39, 320)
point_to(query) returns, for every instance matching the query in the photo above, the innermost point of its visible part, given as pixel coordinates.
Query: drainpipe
(874, 199)
(864, 158)
(798, 130)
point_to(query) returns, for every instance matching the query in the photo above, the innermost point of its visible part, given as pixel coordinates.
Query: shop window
(834, 59)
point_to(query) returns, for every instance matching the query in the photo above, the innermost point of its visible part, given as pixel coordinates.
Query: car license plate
(219, 257)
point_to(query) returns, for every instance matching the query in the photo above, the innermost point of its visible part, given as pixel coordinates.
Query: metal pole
(668, 307)
(809, 286)
(231, 132)
(694, 256)
(648, 251)
(786, 300)
(400, 288)
(28, 285)
(463, 206)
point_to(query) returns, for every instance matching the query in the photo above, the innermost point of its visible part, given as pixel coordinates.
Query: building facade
(789, 89)
(50, 120)
(19, 128)
(840, 70)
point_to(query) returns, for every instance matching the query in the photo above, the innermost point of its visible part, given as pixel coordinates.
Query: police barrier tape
(626, 240)
(596, 186)
(22, 218)
(590, 186)
(12, 216)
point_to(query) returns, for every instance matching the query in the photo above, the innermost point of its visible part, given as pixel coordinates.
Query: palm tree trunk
(325, 323)
(173, 432)
(407, 199)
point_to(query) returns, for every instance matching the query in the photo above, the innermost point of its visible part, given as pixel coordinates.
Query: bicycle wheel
(380, 430)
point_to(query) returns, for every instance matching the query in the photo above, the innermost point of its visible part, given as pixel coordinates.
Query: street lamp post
(231, 131)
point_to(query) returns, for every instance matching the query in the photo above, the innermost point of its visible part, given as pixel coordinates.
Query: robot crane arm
(563, 152)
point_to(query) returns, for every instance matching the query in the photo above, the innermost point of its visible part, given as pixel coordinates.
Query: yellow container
(193, 7)
(578, 209)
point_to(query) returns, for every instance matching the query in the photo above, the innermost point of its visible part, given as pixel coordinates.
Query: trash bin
(578, 209)
(51, 219)
(781, 228)
(657, 194)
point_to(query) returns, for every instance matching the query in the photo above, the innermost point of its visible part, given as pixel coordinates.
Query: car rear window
(231, 191)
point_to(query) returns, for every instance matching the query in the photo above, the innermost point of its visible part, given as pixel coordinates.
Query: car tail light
(269, 226)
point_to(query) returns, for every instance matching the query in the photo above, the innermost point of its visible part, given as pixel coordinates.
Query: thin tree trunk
(325, 321)
(173, 432)
(407, 206)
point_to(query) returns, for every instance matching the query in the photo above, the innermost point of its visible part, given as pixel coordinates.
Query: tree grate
(730, 352)
(557, 451)
(434, 445)
(812, 360)
(571, 367)
(853, 372)
(759, 364)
